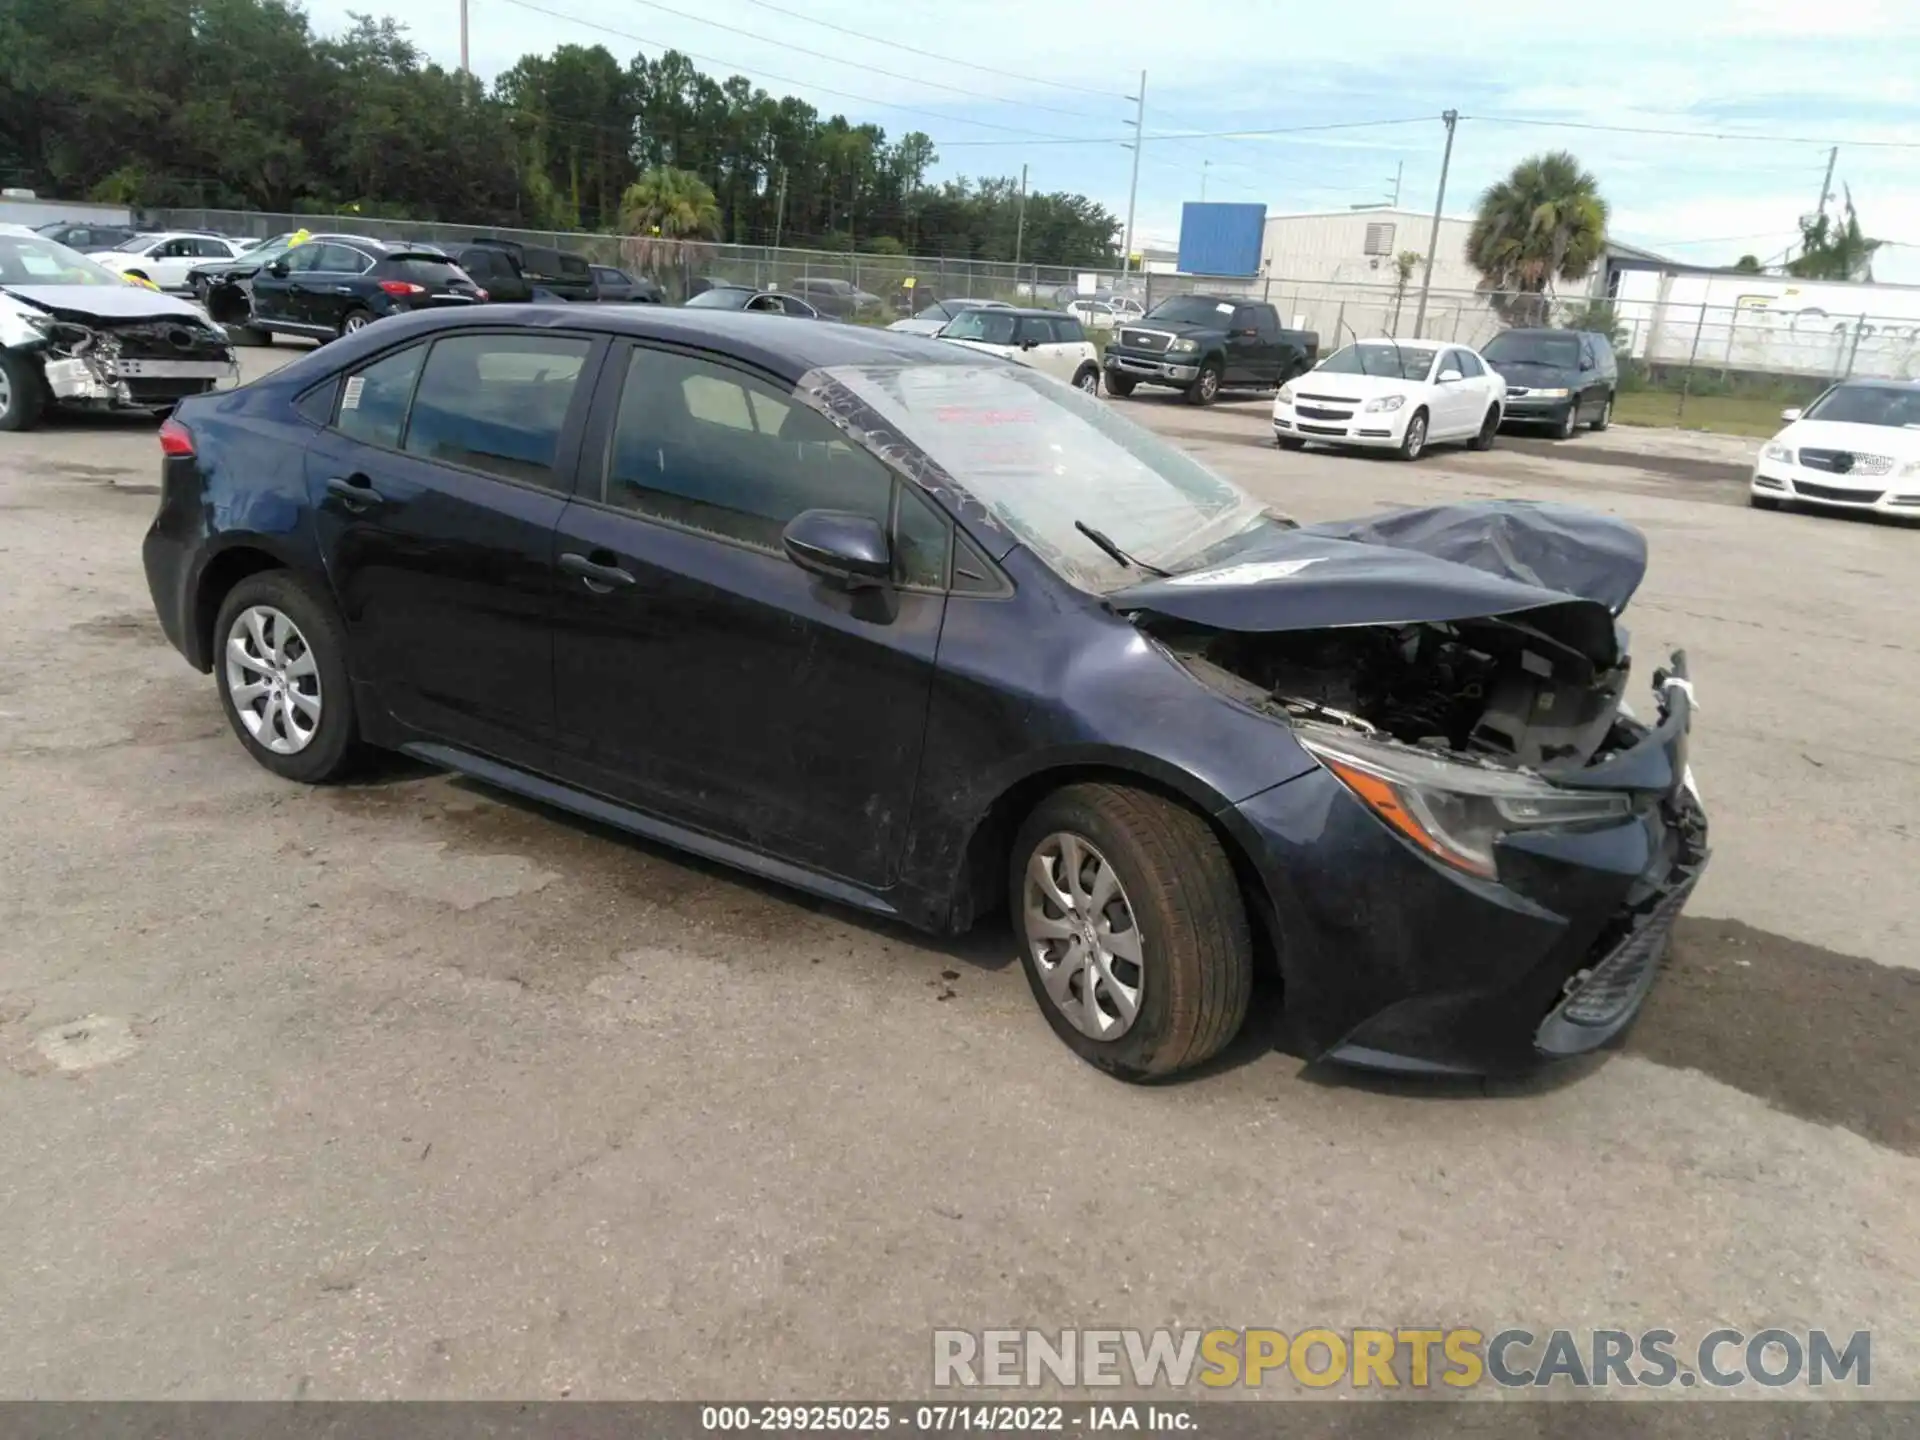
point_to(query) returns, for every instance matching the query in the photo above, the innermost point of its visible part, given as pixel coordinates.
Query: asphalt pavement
(407, 1089)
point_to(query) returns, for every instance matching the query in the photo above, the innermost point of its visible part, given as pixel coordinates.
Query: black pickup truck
(1203, 344)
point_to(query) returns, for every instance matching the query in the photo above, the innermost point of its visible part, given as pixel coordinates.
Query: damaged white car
(75, 334)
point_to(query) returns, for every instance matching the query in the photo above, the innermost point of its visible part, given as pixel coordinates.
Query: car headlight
(1455, 812)
(1285, 397)
(1183, 347)
(1559, 394)
(1385, 402)
(1784, 454)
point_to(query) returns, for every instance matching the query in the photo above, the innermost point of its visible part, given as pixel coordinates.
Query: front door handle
(355, 491)
(600, 577)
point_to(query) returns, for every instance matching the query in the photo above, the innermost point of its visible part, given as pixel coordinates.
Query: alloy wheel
(1209, 383)
(6, 392)
(1090, 382)
(359, 320)
(1416, 440)
(1082, 935)
(273, 680)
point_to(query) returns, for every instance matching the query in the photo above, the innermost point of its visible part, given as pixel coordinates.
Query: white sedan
(1045, 339)
(1855, 448)
(1399, 395)
(1106, 313)
(166, 258)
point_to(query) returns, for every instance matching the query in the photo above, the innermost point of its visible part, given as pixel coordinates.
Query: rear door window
(374, 401)
(497, 403)
(339, 259)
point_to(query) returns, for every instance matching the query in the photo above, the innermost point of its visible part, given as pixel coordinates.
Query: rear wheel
(1605, 417)
(1413, 444)
(280, 661)
(1119, 386)
(1205, 389)
(1088, 379)
(23, 393)
(1489, 428)
(1134, 935)
(355, 320)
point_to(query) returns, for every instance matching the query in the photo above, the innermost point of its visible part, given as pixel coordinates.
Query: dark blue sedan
(933, 635)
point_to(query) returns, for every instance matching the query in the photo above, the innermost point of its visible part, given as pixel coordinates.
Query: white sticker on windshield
(351, 400)
(1224, 309)
(1251, 573)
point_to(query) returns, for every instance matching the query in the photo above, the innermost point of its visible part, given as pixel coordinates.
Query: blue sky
(1802, 76)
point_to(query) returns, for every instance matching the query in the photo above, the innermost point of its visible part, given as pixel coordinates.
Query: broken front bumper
(135, 383)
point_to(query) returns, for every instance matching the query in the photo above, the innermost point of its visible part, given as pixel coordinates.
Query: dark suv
(519, 273)
(341, 283)
(1561, 379)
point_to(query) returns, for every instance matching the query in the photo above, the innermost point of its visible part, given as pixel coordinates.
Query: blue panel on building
(1221, 239)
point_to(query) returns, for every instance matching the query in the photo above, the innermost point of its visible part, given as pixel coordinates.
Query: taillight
(480, 294)
(402, 287)
(176, 441)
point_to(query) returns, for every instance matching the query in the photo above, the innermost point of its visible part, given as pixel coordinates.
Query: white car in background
(1855, 448)
(166, 258)
(1387, 394)
(1106, 312)
(1048, 340)
(933, 319)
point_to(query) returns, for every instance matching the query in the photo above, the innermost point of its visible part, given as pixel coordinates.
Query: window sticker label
(351, 399)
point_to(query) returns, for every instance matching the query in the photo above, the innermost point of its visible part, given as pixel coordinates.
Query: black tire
(1206, 389)
(1605, 417)
(335, 746)
(1119, 386)
(1569, 423)
(1763, 502)
(1413, 444)
(1290, 442)
(1489, 429)
(25, 392)
(358, 317)
(1195, 944)
(1087, 378)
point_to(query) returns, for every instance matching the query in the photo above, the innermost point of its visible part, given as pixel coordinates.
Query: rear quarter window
(572, 266)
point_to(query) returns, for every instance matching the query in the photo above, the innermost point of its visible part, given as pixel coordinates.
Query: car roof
(768, 342)
(1864, 380)
(7, 227)
(1544, 330)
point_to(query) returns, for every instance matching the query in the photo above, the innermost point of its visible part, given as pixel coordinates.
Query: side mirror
(1586, 362)
(1447, 377)
(849, 551)
(1029, 344)
(278, 269)
(1790, 415)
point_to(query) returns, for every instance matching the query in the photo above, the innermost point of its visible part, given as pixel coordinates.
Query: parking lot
(408, 1089)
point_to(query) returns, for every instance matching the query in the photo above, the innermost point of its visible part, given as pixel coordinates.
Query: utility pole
(1020, 230)
(1398, 171)
(1203, 180)
(1452, 118)
(464, 67)
(1133, 186)
(1826, 185)
(780, 208)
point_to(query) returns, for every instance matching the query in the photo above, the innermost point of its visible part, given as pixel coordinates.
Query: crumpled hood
(1434, 564)
(104, 302)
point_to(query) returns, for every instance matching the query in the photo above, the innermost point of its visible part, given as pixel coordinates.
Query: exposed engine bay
(1499, 689)
(99, 347)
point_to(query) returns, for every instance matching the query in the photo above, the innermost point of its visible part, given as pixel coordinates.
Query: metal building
(1360, 247)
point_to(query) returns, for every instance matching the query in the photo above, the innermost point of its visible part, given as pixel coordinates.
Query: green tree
(668, 216)
(1748, 265)
(1546, 222)
(1833, 247)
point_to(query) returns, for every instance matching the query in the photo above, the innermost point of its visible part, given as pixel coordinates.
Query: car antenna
(1105, 542)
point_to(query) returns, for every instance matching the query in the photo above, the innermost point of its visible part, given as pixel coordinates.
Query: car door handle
(600, 577)
(355, 491)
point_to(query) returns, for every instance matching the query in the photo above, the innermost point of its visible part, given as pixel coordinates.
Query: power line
(1207, 134)
(1032, 136)
(933, 54)
(872, 69)
(1693, 134)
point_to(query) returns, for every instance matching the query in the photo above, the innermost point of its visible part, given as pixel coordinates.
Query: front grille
(1322, 429)
(1834, 492)
(180, 339)
(1315, 412)
(1145, 340)
(1846, 462)
(1618, 980)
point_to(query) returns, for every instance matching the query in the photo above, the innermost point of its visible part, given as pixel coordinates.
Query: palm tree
(1834, 251)
(1545, 222)
(669, 216)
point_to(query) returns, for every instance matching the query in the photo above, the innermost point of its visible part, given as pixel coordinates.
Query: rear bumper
(1879, 494)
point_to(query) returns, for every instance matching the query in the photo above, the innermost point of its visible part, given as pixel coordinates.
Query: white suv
(1045, 339)
(166, 258)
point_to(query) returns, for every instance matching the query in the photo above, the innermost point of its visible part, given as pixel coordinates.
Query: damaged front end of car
(106, 349)
(1520, 843)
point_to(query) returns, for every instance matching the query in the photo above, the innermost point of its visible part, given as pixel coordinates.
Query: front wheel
(1763, 502)
(1134, 935)
(23, 392)
(1119, 386)
(1290, 442)
(1569, 422)
(1206, 389)
(1605, 417)
(281, 665)
(1413, 444)
(1087, 379)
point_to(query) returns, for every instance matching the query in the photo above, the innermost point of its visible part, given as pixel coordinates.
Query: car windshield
(34, 261)
(1192, 310)
(1041, 455)
(1391, 362)
(990, 327)
(1892, 405)
(940, 310)
(721, 297)
(1560, 351)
